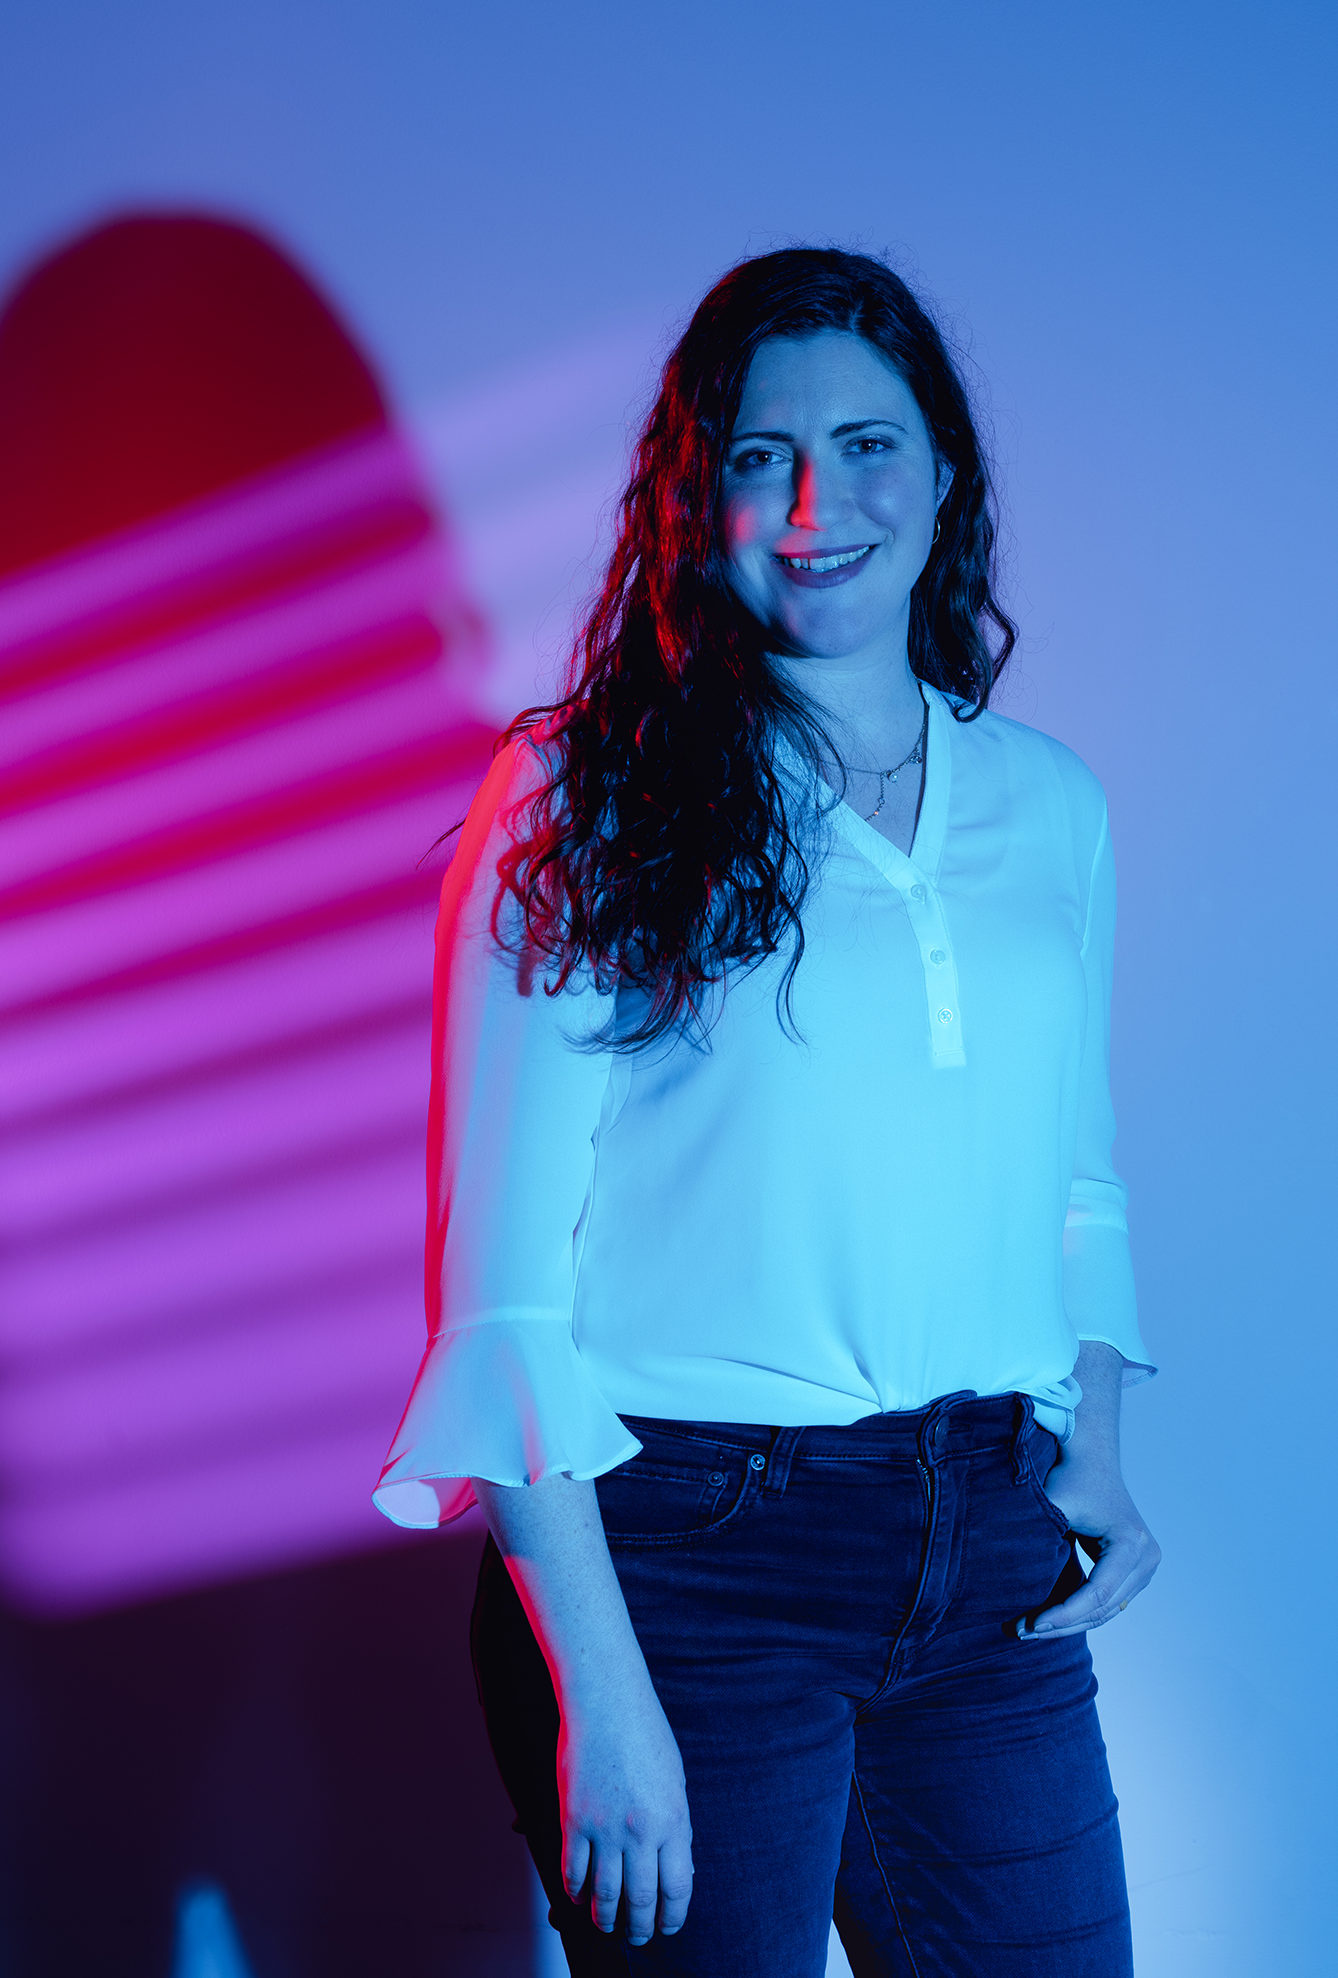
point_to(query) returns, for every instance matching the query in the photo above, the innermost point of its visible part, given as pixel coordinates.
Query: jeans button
(716, 1479)
(756, 1462)
(940, 1432)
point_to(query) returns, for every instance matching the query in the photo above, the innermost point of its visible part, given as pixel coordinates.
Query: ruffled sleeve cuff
(508, 1399)
(1099, 1285)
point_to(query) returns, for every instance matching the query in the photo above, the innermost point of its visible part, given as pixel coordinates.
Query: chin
(831, 635)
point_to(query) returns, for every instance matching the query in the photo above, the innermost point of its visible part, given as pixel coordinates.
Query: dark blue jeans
(828, 1617)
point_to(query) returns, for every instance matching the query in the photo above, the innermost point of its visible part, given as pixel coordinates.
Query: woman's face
(831, 489)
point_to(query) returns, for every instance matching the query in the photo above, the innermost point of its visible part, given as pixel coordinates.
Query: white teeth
(822, 563)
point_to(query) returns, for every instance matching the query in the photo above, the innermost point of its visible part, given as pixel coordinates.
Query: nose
(811, 498)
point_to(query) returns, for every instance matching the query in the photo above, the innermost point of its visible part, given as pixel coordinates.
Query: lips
(821, 573)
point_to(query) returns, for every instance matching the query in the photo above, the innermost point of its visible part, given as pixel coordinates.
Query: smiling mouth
(820, 565)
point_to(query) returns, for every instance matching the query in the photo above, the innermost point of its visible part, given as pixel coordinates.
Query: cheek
(893, 498)
(743, 526)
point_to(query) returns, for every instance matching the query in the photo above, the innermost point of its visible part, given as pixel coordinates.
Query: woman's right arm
(625, 1826)
(504, 1408)
(517, 1098)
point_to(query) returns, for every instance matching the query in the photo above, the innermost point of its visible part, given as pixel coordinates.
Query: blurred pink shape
(229, 742)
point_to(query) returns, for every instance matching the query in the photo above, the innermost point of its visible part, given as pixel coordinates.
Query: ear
(945, 480)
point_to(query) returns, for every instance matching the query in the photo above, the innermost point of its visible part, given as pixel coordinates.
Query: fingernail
(1041, 1628)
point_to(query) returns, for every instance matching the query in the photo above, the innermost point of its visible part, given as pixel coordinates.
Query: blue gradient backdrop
(1130, 215)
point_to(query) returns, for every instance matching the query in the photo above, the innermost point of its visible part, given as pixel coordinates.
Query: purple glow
(229, 739)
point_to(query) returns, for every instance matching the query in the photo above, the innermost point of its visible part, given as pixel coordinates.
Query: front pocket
(649, 1502)
(1047, 1504)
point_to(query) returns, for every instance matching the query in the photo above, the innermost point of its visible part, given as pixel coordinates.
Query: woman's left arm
(1085, 1482)
(1087, 1486)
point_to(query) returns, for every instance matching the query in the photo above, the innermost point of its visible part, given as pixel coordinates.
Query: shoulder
(522, 767)
(1036, 760)
(498, 821)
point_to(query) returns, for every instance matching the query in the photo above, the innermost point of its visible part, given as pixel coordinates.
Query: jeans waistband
(953, 1425)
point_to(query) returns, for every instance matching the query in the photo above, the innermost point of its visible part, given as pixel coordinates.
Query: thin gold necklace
(886, 776)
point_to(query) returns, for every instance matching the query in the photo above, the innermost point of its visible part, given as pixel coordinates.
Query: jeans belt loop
(1024, 1416)
(936, 1424)
(784, 1442)
(934, 1431)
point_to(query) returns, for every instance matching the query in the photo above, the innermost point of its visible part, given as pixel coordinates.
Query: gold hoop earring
(938, 528)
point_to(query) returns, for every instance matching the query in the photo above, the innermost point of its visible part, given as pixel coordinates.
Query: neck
(872, 708)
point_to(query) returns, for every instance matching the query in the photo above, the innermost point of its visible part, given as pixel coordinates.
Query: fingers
(1079, 1614)
(675, 1885)
(575, 1864)
(1123, 1570)
(642, 1884)
(656, 1888)
(606, 1888)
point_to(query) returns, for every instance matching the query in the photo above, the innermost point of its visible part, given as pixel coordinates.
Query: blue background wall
(1129, 216)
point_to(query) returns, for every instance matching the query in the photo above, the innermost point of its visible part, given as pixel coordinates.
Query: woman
(778, 1276)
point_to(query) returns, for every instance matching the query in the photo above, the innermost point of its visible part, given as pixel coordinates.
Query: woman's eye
(755, 457)
(867, 445)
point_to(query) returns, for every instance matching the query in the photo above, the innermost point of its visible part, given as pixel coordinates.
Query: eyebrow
(837, 432)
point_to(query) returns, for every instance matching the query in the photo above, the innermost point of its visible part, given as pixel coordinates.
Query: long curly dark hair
(659, 854)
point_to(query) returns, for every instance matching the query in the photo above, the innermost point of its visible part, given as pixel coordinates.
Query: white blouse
(906, 1193)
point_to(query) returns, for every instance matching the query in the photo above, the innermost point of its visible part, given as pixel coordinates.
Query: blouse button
(917, 892)
(716, 1479)
(945, 1016)
(937, 956)
(756, 1462)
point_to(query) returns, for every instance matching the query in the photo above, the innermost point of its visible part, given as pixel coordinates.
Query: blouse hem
(416, 1504)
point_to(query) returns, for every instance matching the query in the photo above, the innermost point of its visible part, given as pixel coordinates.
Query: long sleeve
(513, 1124)
(1098, 1276)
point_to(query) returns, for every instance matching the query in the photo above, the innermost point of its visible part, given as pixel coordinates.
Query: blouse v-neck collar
(926, 853)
